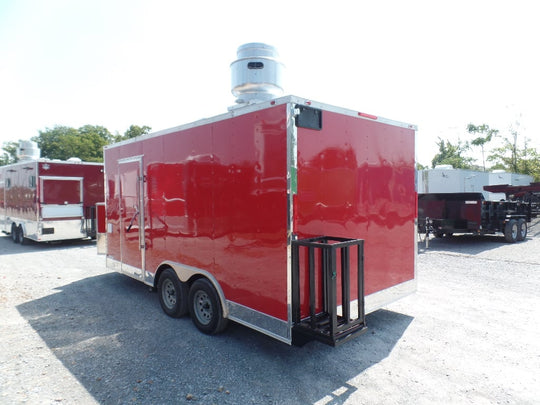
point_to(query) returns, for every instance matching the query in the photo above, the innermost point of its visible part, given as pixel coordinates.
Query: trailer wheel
(511, 231)
(205, 307)
(522, 229)
(14, 236)
(20, 236)
(173, 294)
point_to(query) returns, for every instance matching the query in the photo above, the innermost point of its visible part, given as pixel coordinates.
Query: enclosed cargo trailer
(292, 217)
(445, 179)
(45, 200)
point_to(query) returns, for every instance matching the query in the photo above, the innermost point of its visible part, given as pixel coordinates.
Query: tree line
(502, 152)
(510, 153)
(62, 142)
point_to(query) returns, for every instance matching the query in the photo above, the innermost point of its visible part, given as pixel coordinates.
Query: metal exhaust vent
(28, 150)
(256, 74)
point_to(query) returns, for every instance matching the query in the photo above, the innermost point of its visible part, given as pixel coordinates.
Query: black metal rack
(90, 221)
(324, 274)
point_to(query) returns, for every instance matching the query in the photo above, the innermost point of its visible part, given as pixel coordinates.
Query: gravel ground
(72, 332)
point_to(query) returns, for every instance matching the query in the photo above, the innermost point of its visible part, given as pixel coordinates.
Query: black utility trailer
(530, 194)
(445, 214)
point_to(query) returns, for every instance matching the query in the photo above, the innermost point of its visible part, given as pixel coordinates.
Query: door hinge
(142, 179)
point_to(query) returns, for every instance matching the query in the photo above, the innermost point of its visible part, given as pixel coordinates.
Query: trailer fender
(185, 273)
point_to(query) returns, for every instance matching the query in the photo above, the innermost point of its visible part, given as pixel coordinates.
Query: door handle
(133, 218)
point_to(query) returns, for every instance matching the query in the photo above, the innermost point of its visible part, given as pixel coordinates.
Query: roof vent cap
(257, 74)
(28, 150)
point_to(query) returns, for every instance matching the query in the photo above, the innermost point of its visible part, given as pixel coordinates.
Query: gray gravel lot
(72, 332)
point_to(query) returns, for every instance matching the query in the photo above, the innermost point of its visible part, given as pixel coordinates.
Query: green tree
(452, 154)
(93, 138)
(132, 132)
(63, 142)
(86, 142)
(9, 153)
(515, 159)
(486, 135)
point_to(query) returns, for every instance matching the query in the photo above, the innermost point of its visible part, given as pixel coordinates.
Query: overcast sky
(439, 65)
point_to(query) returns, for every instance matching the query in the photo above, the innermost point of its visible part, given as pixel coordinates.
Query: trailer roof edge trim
(55, 161)
(237, 111)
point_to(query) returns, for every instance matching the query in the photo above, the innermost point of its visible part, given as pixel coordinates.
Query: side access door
(131, 205)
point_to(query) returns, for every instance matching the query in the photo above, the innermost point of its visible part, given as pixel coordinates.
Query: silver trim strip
(292, 167)
(132, 271)
(124, 268)
(61, 178)
(273, 327)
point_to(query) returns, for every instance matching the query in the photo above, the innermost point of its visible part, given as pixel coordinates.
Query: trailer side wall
(215, 200)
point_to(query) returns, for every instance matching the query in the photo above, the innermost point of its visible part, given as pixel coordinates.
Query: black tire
(522, 229)
(14, 233)
(511, 231)
(20, 236)
(173, 294)
(205, 307)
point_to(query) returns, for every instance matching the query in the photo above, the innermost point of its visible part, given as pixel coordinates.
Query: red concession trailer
(45, 200)
(291, 217)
